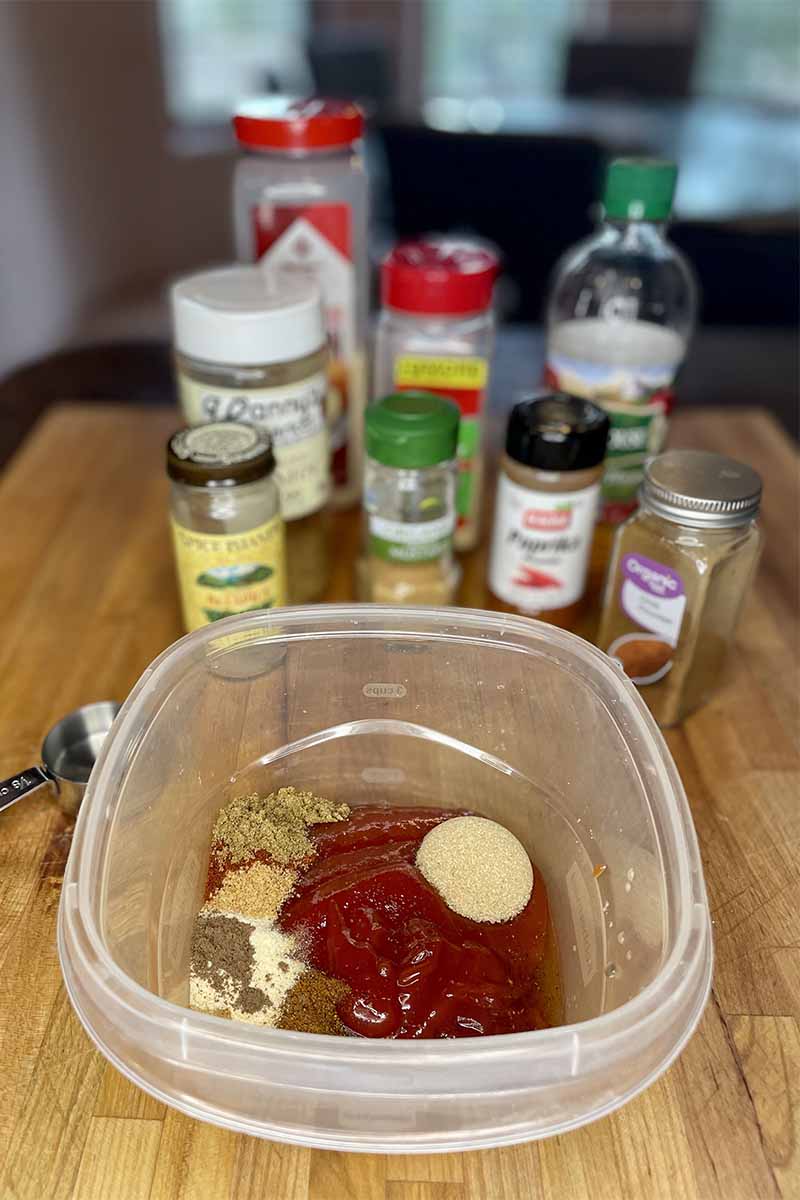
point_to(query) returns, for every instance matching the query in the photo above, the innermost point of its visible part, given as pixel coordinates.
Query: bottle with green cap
(620, 315)
(410, 500)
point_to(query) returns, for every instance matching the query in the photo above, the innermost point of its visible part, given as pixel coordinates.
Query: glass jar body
(307, 212)
(229, 548)
(288, 400)
(452, 356)
(672, 601)
(408, 522)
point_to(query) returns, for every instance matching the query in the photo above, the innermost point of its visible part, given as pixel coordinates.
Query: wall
(94, 207)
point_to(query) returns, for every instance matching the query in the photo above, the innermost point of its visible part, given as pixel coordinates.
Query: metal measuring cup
(68, 754)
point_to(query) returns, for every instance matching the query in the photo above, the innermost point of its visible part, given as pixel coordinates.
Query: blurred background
(488, 117)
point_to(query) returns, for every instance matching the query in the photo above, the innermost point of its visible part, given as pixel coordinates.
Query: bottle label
(315, 242)
(224, 573)
(294, 417)
(464, 380)
(638, 401)
(540, 546)
(412, 541)
(653, 598)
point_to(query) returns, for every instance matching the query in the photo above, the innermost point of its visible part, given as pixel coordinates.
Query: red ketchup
(416, 969)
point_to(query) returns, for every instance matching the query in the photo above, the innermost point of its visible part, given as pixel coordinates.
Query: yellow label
(293, 415)
(224, 573)
(418, 370)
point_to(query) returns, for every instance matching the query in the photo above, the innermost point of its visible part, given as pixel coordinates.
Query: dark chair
(530, 195)
(123, 372)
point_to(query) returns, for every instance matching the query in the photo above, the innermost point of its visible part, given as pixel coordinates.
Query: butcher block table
(90, 599)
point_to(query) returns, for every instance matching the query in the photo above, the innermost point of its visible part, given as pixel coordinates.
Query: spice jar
(435, 332)
(679, 572)
(246, 350)
(300, 201)
(226, 523)
(409, 500)
(547, 497)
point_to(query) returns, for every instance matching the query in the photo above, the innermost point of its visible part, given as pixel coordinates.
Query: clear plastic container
(404, 705)
(300, 204)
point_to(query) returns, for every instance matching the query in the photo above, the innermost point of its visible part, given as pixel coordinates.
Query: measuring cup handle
(17, 786)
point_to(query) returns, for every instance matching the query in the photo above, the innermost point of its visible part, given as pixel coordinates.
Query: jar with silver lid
(679, 573)
(227, 529)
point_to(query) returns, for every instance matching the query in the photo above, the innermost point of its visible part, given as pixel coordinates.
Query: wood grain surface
(90, 599)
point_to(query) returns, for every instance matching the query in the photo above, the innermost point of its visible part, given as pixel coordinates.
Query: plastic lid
(696, 487)
(442, 276)
(296, 123)
(224, 451)
(412, 429)
(640, 189)
(234, 315)
(553, 431)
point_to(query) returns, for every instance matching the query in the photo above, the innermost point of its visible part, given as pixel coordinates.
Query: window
(217, 51)
(751, 50)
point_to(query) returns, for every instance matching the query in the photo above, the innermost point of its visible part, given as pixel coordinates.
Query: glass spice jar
(227, 529)
(679, 572)
(547, 493)
(249, 350)
(409, 500)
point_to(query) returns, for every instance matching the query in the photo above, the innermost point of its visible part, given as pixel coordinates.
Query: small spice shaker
(436, 331)
(679, 572)
(547, 496)
(409, 500)
(227, 529)
(248, 349)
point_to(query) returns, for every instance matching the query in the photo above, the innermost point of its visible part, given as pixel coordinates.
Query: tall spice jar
(246, 350)
(300, 206)
(435, 333)
(227, 530)
(409, 501)
(547, 497)
(679, 572)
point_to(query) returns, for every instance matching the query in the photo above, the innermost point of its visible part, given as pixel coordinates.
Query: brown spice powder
(276, 823)
(257, 890)
(310, 1006)
(222, 945)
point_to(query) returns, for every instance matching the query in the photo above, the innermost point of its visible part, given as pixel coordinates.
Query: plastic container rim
(619, 1022)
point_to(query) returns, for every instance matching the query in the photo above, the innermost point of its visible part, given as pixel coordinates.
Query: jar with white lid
(300, 200)
(435, 332)
(249, 351)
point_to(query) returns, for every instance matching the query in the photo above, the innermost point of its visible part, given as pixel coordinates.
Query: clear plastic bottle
(435, 332)
(300, 204)
(621, 312)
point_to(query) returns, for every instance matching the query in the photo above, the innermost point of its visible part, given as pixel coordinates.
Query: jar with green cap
(621, 311)
(409, 500)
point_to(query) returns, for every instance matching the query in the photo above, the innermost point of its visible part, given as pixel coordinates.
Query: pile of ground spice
(310, 1006)
(257, 890)
(242, 969)
(242, 965)
(478, 867)
(276, 824)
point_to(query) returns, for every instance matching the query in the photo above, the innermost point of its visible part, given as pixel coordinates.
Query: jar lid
(297, 123)
(221, 452)
(640, 189)
(553, 431)
(440, 276)
(239, 316)
(696, 487)
(412, 429)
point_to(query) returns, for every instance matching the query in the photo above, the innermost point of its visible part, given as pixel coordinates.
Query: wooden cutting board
(90, 599)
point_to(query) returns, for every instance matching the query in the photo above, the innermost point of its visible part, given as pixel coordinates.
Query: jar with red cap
(300, 209)
(435, 333)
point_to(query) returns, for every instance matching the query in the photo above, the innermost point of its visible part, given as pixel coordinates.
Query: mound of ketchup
(415, 968)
